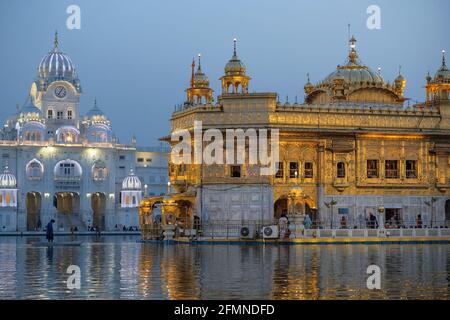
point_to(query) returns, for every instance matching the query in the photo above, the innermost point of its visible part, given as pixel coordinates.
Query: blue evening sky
(134, 56)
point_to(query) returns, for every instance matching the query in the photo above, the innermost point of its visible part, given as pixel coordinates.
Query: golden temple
(350, 150)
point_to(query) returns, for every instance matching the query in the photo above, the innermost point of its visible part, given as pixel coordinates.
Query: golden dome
(354, 72)
(354, 82)
(200, 78)
(235, 67)
(443, 74)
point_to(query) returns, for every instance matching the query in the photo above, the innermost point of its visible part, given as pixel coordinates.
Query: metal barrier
(253, 230)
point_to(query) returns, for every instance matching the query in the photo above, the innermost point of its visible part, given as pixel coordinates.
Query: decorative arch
(34, 169)
(67, 134)
(68, 168)
(318, 97)
(99, 171)
(376, 95)
(33, 131)
(99, 132)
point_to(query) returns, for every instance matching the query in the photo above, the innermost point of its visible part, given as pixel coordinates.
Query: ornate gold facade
(351, 144)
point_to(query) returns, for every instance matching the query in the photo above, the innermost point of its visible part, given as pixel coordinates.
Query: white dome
(7, 179)
(131, 182)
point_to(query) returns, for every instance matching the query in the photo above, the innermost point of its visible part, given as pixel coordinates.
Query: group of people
(283, 224)
(124, 228)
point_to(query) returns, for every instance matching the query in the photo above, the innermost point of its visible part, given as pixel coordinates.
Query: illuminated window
(69, 114)
(372, 168)
(309, 170)
(411, 169)
(293, 170)
(49, 114)
(391, 169)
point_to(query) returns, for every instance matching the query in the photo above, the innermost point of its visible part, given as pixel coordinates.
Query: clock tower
(56, 90)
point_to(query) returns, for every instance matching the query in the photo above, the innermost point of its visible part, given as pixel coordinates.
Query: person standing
(307, 222)
(49, 232)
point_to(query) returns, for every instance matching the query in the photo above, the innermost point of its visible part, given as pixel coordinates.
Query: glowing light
(47, 195)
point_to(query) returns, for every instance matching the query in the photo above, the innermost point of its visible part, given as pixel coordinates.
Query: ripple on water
(118, 267)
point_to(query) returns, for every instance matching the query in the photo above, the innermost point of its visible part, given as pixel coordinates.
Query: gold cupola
(353, 82)
(199, 91)
(308, 86)
(400, 83)
(438, 87)
(235, 79)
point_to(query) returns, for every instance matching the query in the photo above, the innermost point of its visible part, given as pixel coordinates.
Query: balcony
(67, 182)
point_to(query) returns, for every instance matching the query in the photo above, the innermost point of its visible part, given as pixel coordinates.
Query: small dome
(200, 78)
(131, 182)
(30, 108)
(56, 64)
(399, 78)
(443, 74)
(95, 111)
(7, 179)
(235, 67)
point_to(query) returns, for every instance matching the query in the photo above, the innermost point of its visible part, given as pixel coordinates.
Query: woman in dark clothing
(49, 233)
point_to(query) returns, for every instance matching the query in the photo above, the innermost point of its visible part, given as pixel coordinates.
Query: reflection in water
(120, 268)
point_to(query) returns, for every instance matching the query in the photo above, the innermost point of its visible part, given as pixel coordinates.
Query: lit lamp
(168, 187)
(145, 190)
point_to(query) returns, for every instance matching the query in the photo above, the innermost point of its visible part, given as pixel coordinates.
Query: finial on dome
(399, 70)
(352, 56)
(6, 169)
(379, 71)
(352, 43)
(199, 62)
(234, 50)
(443, 57)
(55, 41)
(307, 76)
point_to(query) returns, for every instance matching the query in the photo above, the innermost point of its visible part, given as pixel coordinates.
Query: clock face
(60, 92)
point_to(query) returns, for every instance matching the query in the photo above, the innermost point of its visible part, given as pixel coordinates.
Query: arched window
(34, 170)
(67, 134)
(99, 171)
(67, 168)
(33, 131)
(98, 133)
(50, 114)
(341, 170)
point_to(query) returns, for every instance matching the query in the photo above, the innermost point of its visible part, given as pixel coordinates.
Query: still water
(117, 267)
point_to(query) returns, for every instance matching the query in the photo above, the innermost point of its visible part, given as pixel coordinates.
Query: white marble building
(63, 165)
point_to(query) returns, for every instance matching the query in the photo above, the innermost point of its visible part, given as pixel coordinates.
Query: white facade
(67, 167)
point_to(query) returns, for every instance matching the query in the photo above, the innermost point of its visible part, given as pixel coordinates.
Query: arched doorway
(98, 205)
(280, 207)
(67, 205)
(184, 215)
(67, 202)
(33, 203)
(447, 212)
